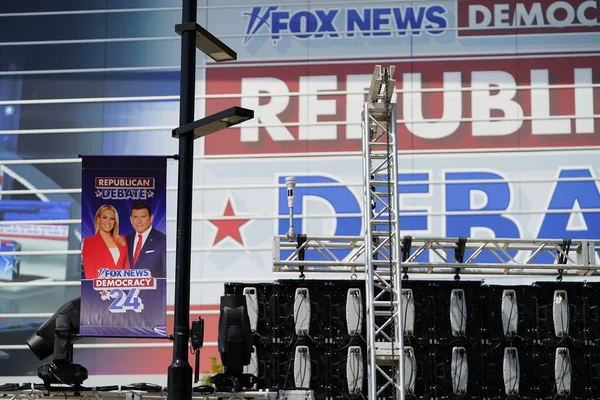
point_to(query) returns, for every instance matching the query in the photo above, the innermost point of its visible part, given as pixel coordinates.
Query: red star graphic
(229, 227)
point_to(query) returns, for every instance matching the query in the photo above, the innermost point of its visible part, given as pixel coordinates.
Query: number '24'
(124, 302)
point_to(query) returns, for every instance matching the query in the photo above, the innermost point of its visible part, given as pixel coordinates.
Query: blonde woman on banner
(106, 249)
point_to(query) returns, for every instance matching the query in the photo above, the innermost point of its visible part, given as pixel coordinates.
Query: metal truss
(134, 395)
(444, 256)
(383, 294)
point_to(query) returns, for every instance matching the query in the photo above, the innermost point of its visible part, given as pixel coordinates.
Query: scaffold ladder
(382, 239)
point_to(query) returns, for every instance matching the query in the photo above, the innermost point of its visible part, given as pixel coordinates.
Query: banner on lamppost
(123, 237)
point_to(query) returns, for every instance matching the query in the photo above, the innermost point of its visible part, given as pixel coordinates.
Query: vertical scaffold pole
(385, 349)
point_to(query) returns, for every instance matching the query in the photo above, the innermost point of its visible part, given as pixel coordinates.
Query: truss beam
(69, 394)
(511, 256)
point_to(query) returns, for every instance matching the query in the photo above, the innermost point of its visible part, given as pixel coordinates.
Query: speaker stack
(461, 339)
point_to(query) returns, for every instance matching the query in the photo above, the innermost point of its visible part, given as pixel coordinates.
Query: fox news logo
(124, 273)
(344, 23)
(123, 279)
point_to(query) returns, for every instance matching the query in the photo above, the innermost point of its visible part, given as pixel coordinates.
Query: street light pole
(180, 371)
(193, 37)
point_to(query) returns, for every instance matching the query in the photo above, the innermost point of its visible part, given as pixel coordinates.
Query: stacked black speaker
(548, 351)
(265, 309)
(443, 339)
(508, 335)
(592, 352)
(348, 350)
(462, 339)
(535, 341)
(566, 347)
(302, 336)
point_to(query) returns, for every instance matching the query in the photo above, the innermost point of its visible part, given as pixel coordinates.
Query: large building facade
(499, 133)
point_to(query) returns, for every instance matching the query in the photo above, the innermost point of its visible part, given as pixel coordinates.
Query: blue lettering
(414, 222)
(303, 21)
(369, 22)
(407, 222)
(318, 23)
(340, 198)
(458, 199)
(135, 273)
(566, 195)
(409, 19)
(113, 273)
(355, 20)
(381, 17)
(279, 23)
(303, 24)
(327, 26)
(434, 15)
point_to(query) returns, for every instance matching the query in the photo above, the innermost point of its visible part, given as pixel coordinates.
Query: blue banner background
(96, 318)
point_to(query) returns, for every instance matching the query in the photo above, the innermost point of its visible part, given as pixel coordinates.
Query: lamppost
(192, 36)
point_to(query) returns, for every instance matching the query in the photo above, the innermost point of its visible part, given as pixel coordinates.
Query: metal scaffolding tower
(381, 241)
(382, 238)
(385, 258)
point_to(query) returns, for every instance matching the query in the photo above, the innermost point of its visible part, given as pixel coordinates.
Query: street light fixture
(192, 36)
(215, 122)
(208, 43)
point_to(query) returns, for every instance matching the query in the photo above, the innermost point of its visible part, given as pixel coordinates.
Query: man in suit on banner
(146, 245)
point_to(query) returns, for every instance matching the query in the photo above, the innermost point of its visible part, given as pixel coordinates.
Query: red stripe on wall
(140, 361)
